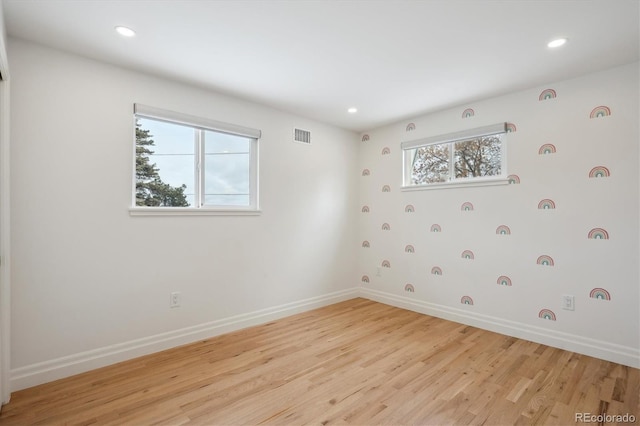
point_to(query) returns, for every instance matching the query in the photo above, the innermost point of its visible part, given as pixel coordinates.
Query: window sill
(190, 211)
(451, 185)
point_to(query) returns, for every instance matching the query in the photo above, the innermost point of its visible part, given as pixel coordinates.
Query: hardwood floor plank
(356, 362)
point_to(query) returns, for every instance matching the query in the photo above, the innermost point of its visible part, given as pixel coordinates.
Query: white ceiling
(391, 59)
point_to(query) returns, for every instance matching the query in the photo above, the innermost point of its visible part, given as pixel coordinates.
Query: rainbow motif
(365, 279)
(546, 204)
(386, 227)
(409, 288)
(600, 111)
(365, 138)
(598, 234)
(468, 254)
(511, 128)
(599, 171)
(409, 208)
(503, 230)
(366, 172)
(547, 314)
(469, 112)
(466, 300)
(366, 244)
(410, 127)
(436, 228)
(600, 293)
(409, 249)
(386, 264)
(386, 188)
(386, 150)
(504, 280)
(365, 209)
(547, 94)
(466, 206)
(513, 179)
(547, 148)
(436, 270)
(545, 260)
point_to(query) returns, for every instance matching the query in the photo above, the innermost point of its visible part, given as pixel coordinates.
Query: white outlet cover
(569, 302)
(174, 299)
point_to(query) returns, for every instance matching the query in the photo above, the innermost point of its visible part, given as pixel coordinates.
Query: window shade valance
(193, 121)
(493, 129)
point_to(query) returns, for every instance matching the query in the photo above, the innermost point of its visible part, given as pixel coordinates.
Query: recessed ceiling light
(352, 110)
(557, 42)
(126, 32)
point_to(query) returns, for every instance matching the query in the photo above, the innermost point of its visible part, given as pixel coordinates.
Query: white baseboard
(596, 348)
(43, 372)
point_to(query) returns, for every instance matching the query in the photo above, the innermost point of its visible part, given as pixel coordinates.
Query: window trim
(190, 211)
(201, 124)
(452, 138)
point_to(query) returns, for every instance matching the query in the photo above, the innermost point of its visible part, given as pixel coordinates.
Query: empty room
(242, 212)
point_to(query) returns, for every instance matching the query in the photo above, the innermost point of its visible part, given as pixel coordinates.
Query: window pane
(165, 164)
(478, 157)
(226, 169)
(430, 164)
(219, 143)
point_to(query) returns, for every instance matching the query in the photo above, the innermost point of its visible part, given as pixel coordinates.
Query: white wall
(5, 293)
(90, 281)
(607, 329)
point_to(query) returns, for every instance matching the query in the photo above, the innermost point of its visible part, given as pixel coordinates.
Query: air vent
(302, 136)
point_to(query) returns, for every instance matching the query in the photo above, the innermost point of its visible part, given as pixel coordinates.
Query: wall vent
(302, 136)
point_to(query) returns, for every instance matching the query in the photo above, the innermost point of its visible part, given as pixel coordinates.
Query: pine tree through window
(152, 189)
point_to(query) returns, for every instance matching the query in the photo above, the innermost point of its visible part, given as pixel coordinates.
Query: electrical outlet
(174, 299)
(569, 302)
(379, 271)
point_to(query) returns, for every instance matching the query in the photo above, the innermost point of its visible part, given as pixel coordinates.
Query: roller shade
(193, 121)
(478, 132)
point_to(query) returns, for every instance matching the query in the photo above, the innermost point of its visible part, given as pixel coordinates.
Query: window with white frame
(185, 163)
(475, 156)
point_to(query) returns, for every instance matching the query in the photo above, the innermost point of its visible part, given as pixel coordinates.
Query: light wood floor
(356, 362)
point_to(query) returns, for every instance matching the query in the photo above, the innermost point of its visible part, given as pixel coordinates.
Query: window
(470, 157)
(186, 164)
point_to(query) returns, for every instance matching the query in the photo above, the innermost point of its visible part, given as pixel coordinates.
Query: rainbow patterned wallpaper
(559, 225)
